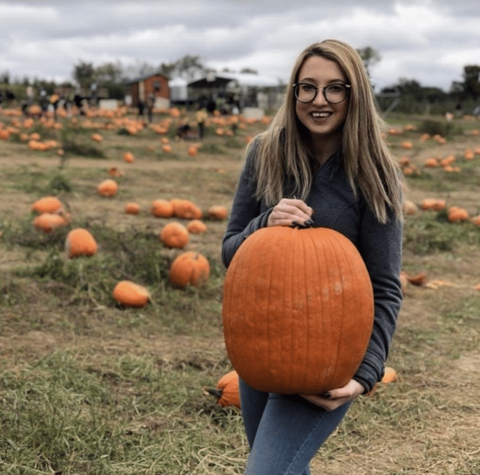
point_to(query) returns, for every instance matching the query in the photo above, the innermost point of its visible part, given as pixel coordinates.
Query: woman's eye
(308, 87)
(335, 88)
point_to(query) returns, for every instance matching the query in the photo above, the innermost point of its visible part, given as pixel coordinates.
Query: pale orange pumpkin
(130, 294)
(457, 214)
(189, 268)
(47, 222)
(80, 242)
(107, 188)
(96, 138)
(227, 390)
(174, 235)
(47, 204)
(433, 203)
(186, 209)
(192, 150)
(217, 212)
(132, 208)
(162, 209)
(128, 157)
(196, 226)
(409, 208)
(390, 375)
(284, 335)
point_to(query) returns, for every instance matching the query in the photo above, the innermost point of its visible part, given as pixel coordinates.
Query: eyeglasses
(333, 93)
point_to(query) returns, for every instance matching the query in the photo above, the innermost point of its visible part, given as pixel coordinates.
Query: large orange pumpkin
(189, 268)
(297, 310)
(162, 209)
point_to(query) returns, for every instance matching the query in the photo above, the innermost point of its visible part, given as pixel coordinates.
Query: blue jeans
(284, 432)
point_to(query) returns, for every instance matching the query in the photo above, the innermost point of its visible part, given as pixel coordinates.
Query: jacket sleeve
(381, 248)
(246, 216)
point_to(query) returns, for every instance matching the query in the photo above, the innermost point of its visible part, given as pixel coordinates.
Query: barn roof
(239, 79)
(146, 76)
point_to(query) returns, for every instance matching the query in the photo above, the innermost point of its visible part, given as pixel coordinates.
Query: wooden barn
(156, 84)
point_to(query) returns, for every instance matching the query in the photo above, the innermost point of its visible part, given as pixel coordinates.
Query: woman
(322, 162)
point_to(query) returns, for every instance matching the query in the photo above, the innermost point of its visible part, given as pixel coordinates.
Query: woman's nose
(320, 98)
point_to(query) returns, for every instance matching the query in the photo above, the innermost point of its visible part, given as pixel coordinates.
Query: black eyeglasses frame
(324, 92)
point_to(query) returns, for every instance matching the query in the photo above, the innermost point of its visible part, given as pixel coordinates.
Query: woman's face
(322, 119)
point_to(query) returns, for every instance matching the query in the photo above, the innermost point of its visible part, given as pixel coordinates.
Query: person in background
(151, 98)
(201, 116)
(324, 163)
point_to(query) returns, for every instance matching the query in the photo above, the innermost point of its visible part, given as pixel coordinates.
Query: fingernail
(309, 222)
(294, 223)
(326, 395)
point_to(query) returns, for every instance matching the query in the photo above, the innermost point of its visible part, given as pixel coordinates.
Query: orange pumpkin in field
(282, 334)
(162, 209)
(185, 209)
(227, 391)
(195, 226)
(189, 268)
(107, 188)
(97, 138)
(128, 157)
(174, 235)
(130, 294)
(192, 150)
(217, 212)
(80, 242)
(457, 214)
(132, 208)
(47, 204)
(47, 222)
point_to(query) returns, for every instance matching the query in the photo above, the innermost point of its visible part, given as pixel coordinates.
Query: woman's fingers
(288, 211)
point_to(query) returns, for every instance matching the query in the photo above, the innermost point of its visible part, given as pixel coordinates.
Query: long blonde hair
(284, 149)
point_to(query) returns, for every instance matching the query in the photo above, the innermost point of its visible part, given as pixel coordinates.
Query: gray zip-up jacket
(336, 207)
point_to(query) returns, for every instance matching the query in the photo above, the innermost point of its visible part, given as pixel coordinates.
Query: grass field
(91, 387)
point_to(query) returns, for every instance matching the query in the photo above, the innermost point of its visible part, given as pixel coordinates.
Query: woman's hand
(336, 397)
(288, 212)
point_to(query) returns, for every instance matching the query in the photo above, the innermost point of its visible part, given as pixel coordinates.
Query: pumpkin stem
(215, 392)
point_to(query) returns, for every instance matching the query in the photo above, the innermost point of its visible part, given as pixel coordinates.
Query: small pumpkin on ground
(132, 208)
(80, 242)
(47, 204)
(186, 209)
(457, 214)
(130, 294)
(189, 268)
(227, 391)
(96, 138)
(162, 209)
(47, 222)
(128, 157)
(174, 235)
(390, 375)
(217, 212)
(107, 188)
(196, 226)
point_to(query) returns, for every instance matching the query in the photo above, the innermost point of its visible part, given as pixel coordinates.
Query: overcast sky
(426, 40)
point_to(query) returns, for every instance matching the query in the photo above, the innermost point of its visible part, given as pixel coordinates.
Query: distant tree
(469, 88)
(369, 56)
(249, 71)
(83, 74)
(188, 67)
(471, 81)
(5, 77)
